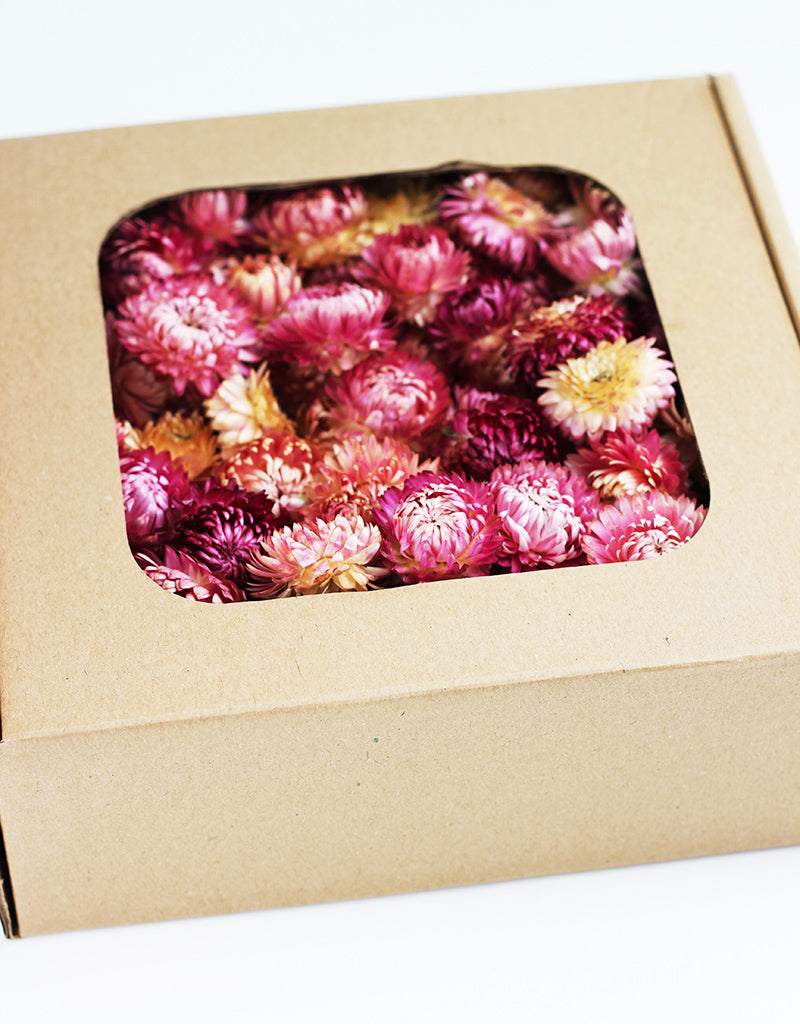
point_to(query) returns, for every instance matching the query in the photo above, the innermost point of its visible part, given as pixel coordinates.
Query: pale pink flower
(217, 214)
(315, 226)
(642, 526)
(277, 463)
(487, 214)
(152, 486)
(316, 557)
(358, 469)
(331, 327)
(189, 330)
(596, 247)
(417, 265)
(265, 283)
(618, 385)
(180, 574)
(544, 510)
(399, 394)
(438, 526)
(619, 463)
(549, 335)
(242, 408)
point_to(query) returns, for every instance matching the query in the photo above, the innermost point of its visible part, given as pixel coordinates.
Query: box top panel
(89, 642)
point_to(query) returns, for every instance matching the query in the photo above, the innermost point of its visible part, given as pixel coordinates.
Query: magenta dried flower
(496, 428)
(544, 510)
(417, 265)
(551, 334)
(438, 526)
(222, 537)
(642, 526)
(488, 214)
(190, 330)
(399, 395)
(331, 327)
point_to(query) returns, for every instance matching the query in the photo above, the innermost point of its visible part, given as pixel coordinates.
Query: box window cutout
(390, 380)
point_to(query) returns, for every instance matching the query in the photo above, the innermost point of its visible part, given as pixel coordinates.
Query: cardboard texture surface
(161, 758)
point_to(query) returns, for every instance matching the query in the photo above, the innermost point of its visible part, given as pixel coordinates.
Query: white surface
(709, 940)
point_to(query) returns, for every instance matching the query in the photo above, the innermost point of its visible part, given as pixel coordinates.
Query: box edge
(778, 239)
(8, 916)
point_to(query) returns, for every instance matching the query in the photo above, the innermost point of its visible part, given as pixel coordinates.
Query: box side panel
(777, 235)
(309, 805)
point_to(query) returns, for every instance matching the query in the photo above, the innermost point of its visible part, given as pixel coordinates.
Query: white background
(706, 940)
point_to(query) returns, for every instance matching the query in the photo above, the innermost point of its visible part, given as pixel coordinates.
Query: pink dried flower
(331, 327)
(265, 283)
(314, 558)
(141, 251)
(438, 526)
(139, 394)
(358, 469)
(489, 215)
(618, 385)
(152, 485)
(550, 335)
(417, 265)
(472, 326)
(598, 255)
(190, 330)
(642, 526)
(400, 395)
(278, 464)
(544, 510)
(179, 574)
(619, 463)
(316, 226)
(217, 214)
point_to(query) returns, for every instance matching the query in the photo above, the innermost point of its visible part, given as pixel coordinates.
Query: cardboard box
(161, 758)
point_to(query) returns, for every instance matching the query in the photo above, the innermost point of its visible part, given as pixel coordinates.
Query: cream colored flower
(242, 408)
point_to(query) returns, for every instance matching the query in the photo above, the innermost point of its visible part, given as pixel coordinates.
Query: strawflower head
(618, 385)
(642, 526)
(217, 214)
(243, 408)
(544, 511)
(489, 215)
(180, 574)
(316, 226)
(152, 487)
(188, 439)
(549, 335)
(438, 526)
(620, 463)
(222, 537)
(190, 330)
(496, 428)
(140, 394)
(277, 463)
(316, 557)
(400, 395)
(331, 327)
(473, 324)
(264, 283)
(417, 265)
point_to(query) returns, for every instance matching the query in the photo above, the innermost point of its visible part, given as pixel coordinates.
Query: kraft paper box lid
(89, 642)
(89, 645)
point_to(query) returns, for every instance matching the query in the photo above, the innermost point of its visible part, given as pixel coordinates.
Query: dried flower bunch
(370, 383)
